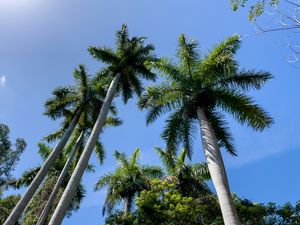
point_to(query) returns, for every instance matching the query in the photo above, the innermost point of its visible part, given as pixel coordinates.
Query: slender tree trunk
(127, 205)
(33, 187)
(74, 181)
(61, 178)
(217, 170)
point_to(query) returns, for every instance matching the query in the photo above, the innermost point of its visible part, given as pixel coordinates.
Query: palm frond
(103, 181)
(135, 157)
(172, 132)
(221, 130)
(245, 80)
(54, 135)
(103, 54)
(201, 170)
(152, 171)
(187, 132)
(243, 109)
(44, 150)
(26, 178)
(187, 53)
(166, 158)
(122, 159)
(99, 150)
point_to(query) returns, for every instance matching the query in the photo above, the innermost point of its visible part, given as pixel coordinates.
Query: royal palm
(127, 181)
(36, 205)
(95, 94)
(75, 99)
(126, 66)
(188, 178)
(199, 90)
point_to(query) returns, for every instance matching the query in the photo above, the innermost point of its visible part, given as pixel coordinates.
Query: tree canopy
(9, 156)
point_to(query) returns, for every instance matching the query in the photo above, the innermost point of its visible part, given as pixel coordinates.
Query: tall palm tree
(126, 65)
(200, 89)
(127, 181)
(96, 91)
(36, 205)
(76, 99)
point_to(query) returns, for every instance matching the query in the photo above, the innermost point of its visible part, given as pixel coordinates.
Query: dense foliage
(39, 200)
(164, 204)
(177, 194)
(127, 181)
(8, 156)
(6, 206)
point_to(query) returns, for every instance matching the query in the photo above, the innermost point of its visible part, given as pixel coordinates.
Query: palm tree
(59, 181)
(81, 133)
(126, 65)
(75, 99)
(200, 89)
(189, 178)
(39, 200)
(126, 182)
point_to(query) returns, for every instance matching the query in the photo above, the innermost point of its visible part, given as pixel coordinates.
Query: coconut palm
(126, 66)
(127, 181)
(199, 90)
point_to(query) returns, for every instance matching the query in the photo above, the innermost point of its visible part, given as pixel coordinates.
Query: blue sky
(42, 41)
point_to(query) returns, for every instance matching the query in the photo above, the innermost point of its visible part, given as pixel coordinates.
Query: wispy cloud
(2, 81)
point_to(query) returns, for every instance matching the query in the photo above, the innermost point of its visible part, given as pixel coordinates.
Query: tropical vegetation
(196, 92)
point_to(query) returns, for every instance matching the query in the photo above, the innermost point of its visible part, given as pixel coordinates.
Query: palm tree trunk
(33, 187)
(127, 205)
(217, 170)
(74, 181)
(61, 178)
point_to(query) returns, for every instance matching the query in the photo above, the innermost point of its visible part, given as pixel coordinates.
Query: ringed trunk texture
(217, 170)
(64, 172)
(74, 181)
(33, 187)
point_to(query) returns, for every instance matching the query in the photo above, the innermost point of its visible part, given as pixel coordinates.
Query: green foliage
(6, 206)
(8, 156)
(189, 179)
(88, 96)
(256, 9)
(269, 214)
(39, 200)
(132, 59)
(213, 83)
(164, 205)
(126, 182)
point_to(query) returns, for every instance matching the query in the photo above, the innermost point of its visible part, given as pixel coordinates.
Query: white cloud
(2, 80)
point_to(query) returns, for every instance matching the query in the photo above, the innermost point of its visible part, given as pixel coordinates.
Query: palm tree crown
(214, 83)
(189, 178)
(127, 181)
(88, 95)
(132, 59)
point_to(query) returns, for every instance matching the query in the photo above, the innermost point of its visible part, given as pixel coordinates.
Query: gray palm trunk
(33, 187)
(61, 178)
(127, 205)
(74, 181)
(217, 170)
